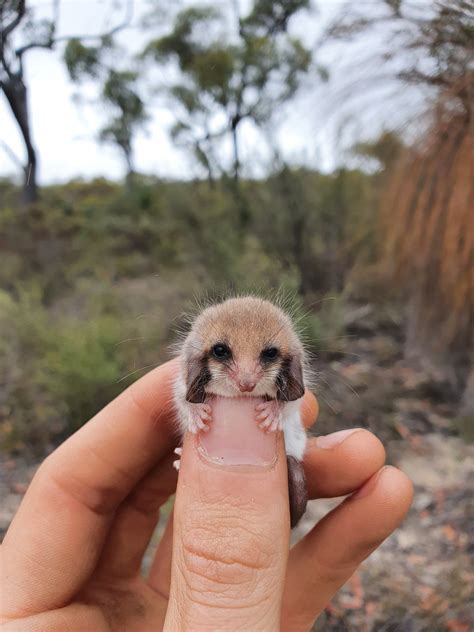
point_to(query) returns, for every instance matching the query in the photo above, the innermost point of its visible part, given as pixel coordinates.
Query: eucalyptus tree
(22, 31)
(232, 68)
(118, 91)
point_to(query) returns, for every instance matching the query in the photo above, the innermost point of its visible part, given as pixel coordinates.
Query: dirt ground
(421, 578)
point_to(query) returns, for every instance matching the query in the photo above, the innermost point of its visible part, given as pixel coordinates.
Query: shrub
(55, 373)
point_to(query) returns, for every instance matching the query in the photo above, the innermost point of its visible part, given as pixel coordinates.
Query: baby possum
(247, 347)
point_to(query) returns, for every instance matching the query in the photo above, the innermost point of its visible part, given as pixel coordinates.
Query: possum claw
(199, 416)
(270, 416)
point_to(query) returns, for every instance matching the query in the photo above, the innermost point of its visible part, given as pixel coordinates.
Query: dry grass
(429, 227)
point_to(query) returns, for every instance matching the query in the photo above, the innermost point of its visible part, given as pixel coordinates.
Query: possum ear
(290, 384)
(197, 378)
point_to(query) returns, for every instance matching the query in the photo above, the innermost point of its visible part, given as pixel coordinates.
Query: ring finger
(323, 561)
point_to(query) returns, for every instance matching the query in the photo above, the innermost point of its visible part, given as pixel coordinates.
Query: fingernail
(370, 485)
(234, 437)
(330, 441)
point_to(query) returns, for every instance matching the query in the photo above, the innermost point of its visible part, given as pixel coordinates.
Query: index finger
(55, 539)
(309, 409)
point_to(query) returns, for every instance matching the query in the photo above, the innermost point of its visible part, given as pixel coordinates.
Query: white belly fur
(293, 430)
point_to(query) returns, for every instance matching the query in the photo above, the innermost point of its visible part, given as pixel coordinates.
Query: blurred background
(153, 153)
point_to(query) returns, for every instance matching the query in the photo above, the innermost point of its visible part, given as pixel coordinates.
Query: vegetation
(237, 74)
(98, 272)
(427, 210)
(374, 254)
(21, 32)
(95, 274)
(430, 238)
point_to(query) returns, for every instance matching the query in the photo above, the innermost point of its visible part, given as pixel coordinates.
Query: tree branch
(129, 12)
(56, 9)
(417, 76)
(49, 43)
(238, 17)
(4, 64)
(11, 154)
(15, 22)
(23, 49)
(52, 41)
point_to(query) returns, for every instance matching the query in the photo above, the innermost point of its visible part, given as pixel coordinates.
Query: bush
(55, 373)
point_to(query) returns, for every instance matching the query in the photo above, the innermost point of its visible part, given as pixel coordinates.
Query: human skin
(71, 558)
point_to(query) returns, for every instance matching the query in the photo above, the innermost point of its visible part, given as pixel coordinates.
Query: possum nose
(247, 386)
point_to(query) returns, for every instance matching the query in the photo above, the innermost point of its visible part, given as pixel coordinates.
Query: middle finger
(338, 463)
(335, 465)
(135, 522)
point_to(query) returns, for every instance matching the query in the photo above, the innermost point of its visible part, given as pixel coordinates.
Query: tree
(439, 39)
(385, 150)
(118, 91)
(12, 83)
(17, 22)
(428, 206)
(228, 77)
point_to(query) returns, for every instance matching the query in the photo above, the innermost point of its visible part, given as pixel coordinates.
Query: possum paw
(199, 415)
(269, 416)
(176, 464)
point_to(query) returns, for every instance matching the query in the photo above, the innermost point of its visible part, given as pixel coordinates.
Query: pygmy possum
(247, 347)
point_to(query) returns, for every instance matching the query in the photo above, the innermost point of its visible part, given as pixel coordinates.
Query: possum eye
(221, 351)
(269, 354)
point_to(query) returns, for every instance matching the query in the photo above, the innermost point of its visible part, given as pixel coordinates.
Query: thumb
(231, 525)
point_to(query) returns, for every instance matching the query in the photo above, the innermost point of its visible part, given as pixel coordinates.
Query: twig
(11, 154)
(15, 22)
(52, 41)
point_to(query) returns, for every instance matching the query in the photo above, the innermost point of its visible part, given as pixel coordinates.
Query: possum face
(243, 347)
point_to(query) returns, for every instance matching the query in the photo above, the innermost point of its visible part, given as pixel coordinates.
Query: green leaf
(81, 61)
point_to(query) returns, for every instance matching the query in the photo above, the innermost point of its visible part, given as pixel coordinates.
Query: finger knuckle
(56, 482)
(225, 560)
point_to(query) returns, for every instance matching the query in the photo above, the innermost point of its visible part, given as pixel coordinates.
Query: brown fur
(247, 325)
(297, 490)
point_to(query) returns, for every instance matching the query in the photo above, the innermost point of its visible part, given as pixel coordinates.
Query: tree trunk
(235, 143)
(293, 196)
(234, 182)
(130, 175)
(30, 185)
(17, 97)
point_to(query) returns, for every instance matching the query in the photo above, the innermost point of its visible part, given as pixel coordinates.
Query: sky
(65, 133)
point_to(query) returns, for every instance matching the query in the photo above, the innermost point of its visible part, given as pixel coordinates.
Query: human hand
(72, 556)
